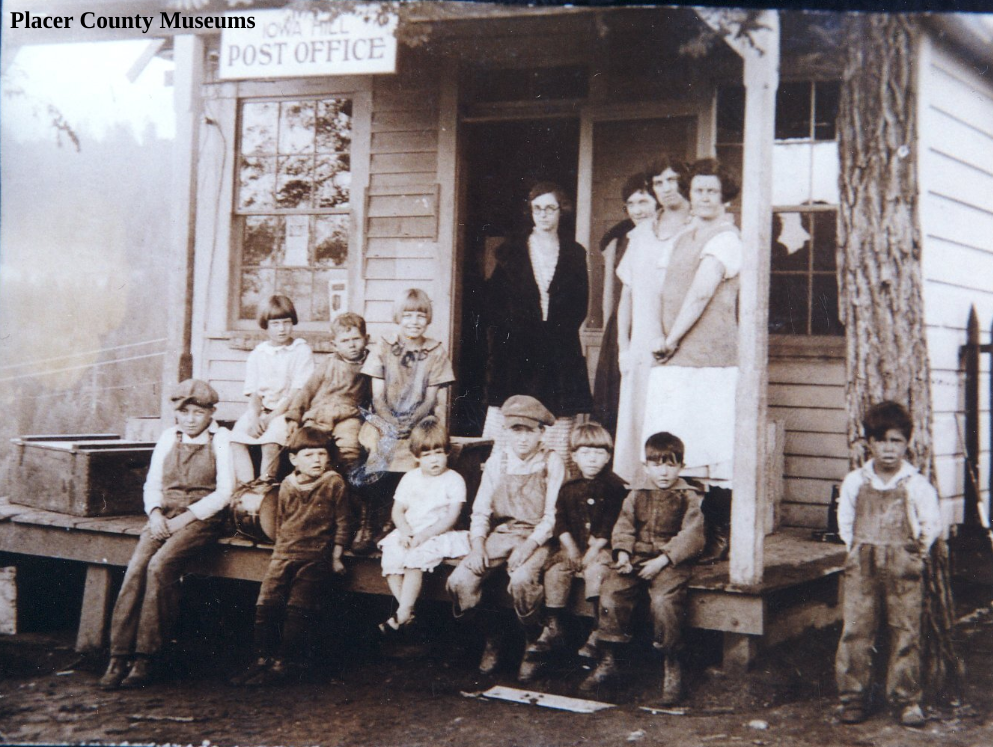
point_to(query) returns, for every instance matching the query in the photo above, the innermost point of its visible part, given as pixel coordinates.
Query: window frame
(803, 345)
(358, 90)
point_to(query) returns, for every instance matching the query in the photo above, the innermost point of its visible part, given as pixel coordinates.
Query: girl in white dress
(642, 272)
(426, 507)
(276, 370)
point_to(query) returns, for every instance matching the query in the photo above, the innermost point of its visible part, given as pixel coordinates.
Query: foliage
(41, 110)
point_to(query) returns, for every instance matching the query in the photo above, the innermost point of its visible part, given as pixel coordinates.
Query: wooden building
(344, 190)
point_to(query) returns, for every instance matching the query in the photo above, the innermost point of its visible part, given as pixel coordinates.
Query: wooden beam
(759, 49)
(94, 618)
(188, 105)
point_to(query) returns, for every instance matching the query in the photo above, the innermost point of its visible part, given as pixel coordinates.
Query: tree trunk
(879, 252)
(879, 278)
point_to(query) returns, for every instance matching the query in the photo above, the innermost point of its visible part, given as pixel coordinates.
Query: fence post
(971, 363)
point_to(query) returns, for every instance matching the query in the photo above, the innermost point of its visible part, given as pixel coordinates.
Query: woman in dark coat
(536, 301)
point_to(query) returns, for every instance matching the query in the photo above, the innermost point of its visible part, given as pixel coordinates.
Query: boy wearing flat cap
(188, 486)
(513, 517)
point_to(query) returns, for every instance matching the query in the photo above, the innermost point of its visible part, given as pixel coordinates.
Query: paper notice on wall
(297, 240)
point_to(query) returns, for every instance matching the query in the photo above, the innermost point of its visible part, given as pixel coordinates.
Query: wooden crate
(81, 475)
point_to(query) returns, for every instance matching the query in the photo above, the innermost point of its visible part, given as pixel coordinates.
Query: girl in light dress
(642, 272)
(276, 370)
(426, 507)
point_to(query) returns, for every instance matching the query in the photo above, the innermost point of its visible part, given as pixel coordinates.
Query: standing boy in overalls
(189, 484)
(888, 516)
(513, 517)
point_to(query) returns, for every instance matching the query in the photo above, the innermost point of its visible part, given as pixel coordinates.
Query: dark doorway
(502, 161)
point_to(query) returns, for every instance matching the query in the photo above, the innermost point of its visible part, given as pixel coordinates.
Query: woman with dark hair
(536, 300)
(642, 273)
(641, 206)
(691, 391)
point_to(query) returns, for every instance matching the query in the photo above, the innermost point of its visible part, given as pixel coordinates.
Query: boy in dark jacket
(313, 527)
(585, 513)
(660, 530)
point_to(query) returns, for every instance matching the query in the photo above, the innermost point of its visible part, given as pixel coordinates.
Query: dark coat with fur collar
(527, 355)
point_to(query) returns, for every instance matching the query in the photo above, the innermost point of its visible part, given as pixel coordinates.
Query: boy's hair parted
(885, 416)
(412, 299)
(277, 307)
(307, 437)
(345, 321)
(427, 435)
(664, 448)
(591, 435)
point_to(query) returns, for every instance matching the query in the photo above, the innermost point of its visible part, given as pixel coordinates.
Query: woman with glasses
(536, 300)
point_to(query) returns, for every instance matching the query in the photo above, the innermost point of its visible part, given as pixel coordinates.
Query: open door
(503, 160)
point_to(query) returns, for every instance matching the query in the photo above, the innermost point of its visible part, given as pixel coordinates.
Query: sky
(88, 84)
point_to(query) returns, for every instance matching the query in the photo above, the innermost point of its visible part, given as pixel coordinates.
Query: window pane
(334, 126)
(293, 182)
(296, 127)
(788, 304)
(824, 316)
(791, 173)
(297, 285)
(330, 240)
(827, 95)
(731, 114)
(256, 285)
(258, 128)
(790, 242)
(793, 111)
(826, 168)
(332, 181)
(256, 183)
(262, 240)
(825, 230)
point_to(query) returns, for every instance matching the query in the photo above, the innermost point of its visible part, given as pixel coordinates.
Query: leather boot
(531, 662)
(362, 543)
(606, 671)
(140, 674)
(552, 637)
(672, 684)
(589, 649)
(490, 659)
(117, 670)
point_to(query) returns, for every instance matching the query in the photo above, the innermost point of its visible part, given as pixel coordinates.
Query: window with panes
(292, 197)
(803, 288)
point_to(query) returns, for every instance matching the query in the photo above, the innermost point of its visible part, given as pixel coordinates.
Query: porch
(798, 591)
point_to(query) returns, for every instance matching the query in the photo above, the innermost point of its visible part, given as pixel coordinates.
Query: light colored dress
(693, 394)
(642, 270)
(271, 372)
(425, 499)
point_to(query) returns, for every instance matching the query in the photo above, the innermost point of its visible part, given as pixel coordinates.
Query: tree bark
(879, 248)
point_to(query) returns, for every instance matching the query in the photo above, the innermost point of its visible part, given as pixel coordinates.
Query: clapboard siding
(402, 249)
(226, 373)
(956, 201)
(809, 395)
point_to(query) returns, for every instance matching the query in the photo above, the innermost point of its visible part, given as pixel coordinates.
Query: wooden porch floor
(799, 589)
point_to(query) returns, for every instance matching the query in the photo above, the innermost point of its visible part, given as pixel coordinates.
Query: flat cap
(193, 390)
(524, 410)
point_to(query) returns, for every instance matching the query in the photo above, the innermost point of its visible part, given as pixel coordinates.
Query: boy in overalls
(188, 486)
(888, 516)
(513, 517)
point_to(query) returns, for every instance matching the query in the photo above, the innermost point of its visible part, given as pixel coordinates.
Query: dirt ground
(419, 692)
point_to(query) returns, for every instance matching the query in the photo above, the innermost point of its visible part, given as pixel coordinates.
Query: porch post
(748, 507)
(187, 79)
(758, 45)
